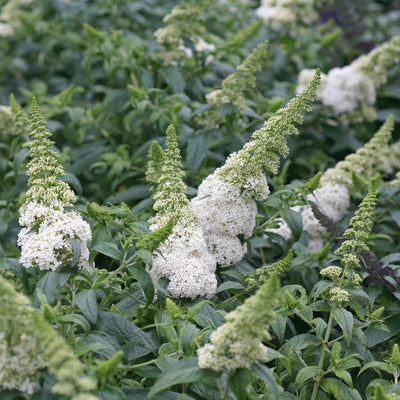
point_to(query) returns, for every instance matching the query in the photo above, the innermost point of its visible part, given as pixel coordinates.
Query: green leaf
(87, 303)
(278, 326)
(12, 265)
(173, 78)
(308, 373)
(77, 252)
(395, 214)
(136, 192)
(339, 390)
(181, 371)
(345, 320)
(196, 151)
(299, 342)
(375, 336)
(138, 343)
(104, 345)
(145, 255)
(344, 376)
(51, 283)
(75, 319)
(294, 221)
(229, 285)
(187, 335)
(377, 365)
(73, 181)
(264, 373)
(109, 249)
(19, 158)
(144, 280)
(207, 317)
(336, 352)
(320, 326)
(239, 382)
(135, 393)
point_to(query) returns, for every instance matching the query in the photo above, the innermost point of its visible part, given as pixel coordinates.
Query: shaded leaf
(308, 373)
(137, 342)
(339, 390)
(87, 303)
(109, 249)
(345, 320)
(185, 370)
(294, 220)
(51, 283)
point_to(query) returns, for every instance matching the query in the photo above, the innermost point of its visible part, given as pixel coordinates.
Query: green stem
(226, 391)
(221, 392)
(266, 223)
(322, 356)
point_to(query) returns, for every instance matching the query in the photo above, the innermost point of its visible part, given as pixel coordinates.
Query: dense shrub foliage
(199, 199)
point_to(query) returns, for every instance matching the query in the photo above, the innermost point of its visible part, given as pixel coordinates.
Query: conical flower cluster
(52, 238)
(239, 342)
(350, 91)
(333, 196)
(183, 257)
(28, 344)
(225, 206)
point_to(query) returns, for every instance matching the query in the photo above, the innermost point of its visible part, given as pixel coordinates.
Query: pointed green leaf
(196, 151)
(137, 342)
(345, 320)
(181, 371)
(339, 390)
(87, 303)
(299, 342)
(109, 249)
(377, 365)
(12, 265)
(308, 373)
(239, 382)
(344, 376)
(265, 374)
(294, 220)
(75, 319)
(51, 283)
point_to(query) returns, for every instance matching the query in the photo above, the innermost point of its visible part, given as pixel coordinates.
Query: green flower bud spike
(239, 342)
(27, 338)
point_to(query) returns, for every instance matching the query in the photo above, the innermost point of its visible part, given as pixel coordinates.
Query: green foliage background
(106, 93)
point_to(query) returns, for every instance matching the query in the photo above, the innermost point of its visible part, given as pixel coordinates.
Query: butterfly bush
(239, 341)
(283, 13)
(21, 357)
(226, 202)
(233, 86)
(9, 22)
(333, 195)
(183, 258)
(6, 120)
(389, 160)
(28, 344)
(352, 248)
(52, 237)
(350, 91)
(184, 22)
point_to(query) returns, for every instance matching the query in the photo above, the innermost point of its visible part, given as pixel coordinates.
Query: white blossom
(224, 211)
(20, 361)
(333, 199)
(185, 260)
(283, 13)
(346, 89)
(45, 240)
(239, 341)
